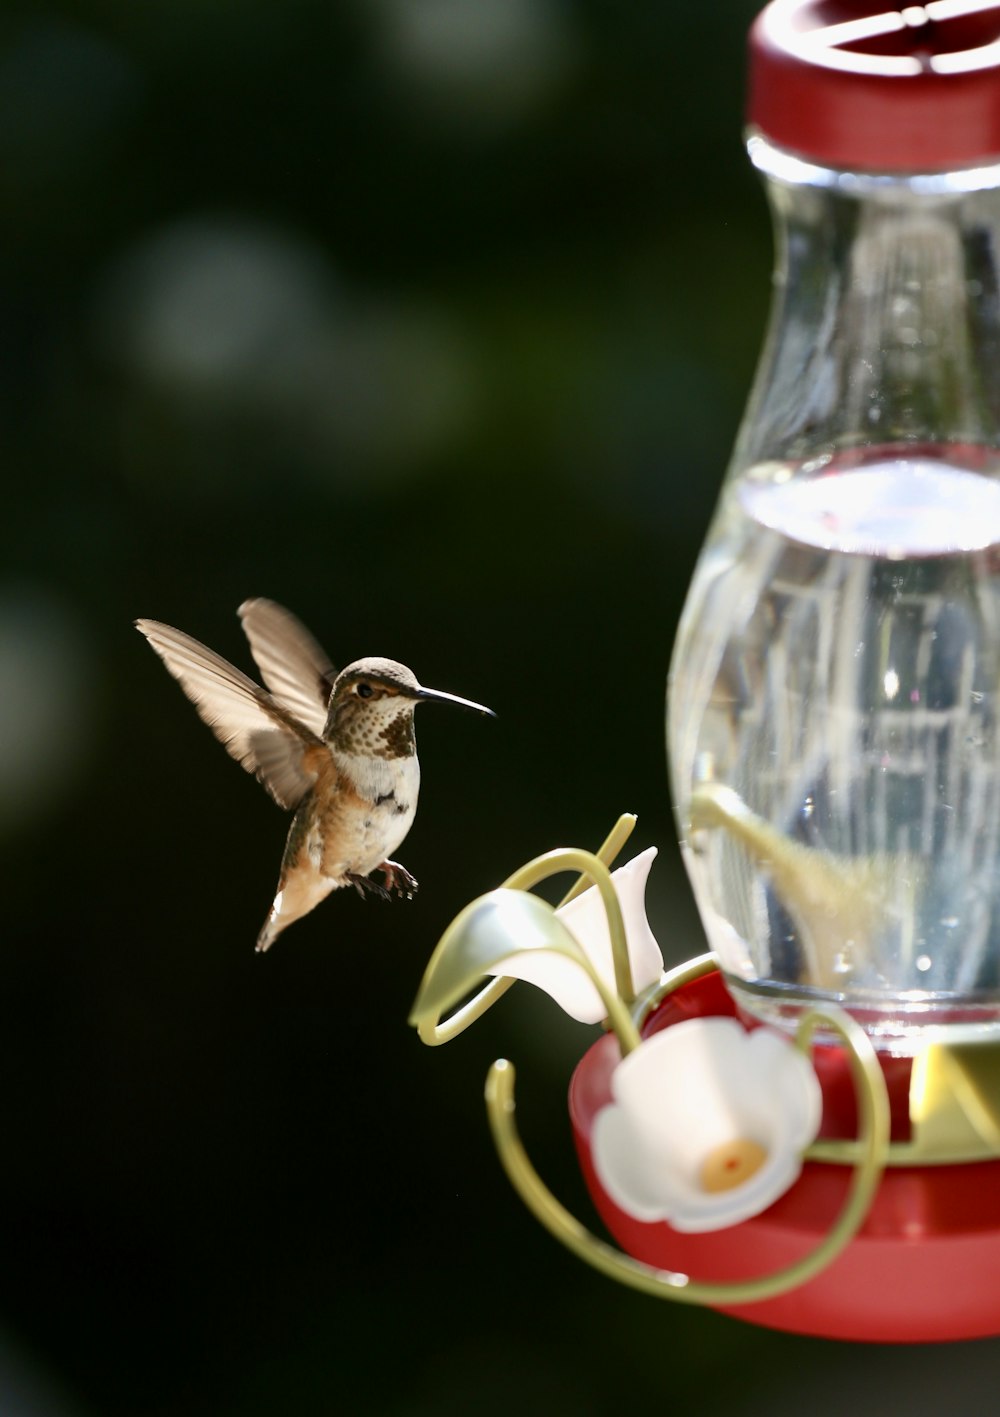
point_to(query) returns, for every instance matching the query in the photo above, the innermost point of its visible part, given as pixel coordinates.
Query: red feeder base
(924, 1268)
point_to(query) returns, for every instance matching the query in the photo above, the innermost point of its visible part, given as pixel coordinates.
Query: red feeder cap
(861, 85)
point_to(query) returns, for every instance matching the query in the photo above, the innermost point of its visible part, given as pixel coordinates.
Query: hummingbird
(338, 750)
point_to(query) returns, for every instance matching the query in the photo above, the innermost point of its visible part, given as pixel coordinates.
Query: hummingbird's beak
(435, 695)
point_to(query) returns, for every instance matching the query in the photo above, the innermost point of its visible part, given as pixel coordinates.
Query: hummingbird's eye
(365, 691)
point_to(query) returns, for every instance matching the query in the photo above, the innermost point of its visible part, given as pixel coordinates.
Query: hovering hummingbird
(337, 749)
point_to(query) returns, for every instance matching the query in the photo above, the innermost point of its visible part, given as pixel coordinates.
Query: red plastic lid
(860, 84)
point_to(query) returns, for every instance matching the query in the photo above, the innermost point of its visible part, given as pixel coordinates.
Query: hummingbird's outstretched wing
(294, 667)
(259, 732)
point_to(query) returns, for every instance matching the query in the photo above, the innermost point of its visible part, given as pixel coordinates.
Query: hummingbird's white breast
(370, 818)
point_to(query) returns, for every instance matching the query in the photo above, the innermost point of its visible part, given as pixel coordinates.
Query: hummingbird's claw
(398, 879)
(364, 885)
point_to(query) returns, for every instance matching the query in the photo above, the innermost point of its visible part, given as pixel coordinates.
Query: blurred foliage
(432, 319)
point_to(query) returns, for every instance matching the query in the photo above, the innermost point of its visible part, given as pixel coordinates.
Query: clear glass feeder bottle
(834, 723)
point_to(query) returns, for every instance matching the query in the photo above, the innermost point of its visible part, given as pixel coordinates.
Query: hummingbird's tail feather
(300, 890)
(267, 936)
(279, 917)
(272, 927)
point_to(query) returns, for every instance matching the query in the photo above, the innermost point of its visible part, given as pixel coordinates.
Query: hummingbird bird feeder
(801, 1127)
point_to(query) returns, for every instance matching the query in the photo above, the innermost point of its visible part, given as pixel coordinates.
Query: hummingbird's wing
(259, 732)
(294, 667)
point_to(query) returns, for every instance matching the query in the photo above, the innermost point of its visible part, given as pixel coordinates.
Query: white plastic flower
(585, 918)
(708, 1124)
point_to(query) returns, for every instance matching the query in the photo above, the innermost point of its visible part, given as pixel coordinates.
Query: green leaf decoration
(492, 928)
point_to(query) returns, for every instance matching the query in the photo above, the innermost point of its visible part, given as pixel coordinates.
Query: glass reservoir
(834, 723)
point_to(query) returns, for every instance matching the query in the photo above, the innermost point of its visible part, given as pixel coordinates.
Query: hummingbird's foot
(364, 885)
(398, 879)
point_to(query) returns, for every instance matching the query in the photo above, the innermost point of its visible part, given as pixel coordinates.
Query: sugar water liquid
(838, 676)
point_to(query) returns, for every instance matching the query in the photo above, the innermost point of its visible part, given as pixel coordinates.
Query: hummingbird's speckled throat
(338, 750)
(371, 710)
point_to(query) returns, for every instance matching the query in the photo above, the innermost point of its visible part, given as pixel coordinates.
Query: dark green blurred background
(432, 319)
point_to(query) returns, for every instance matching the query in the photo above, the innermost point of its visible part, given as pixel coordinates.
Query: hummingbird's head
(371, 708)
